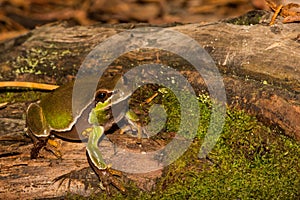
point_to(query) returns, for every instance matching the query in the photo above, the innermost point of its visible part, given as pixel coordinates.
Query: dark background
(19, 16)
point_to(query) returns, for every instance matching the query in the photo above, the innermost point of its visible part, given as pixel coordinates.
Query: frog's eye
(102, 96)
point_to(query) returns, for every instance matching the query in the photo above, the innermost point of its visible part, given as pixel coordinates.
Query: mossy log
(259, 65)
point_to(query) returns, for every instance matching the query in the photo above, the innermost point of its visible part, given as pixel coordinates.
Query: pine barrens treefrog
(52, 115)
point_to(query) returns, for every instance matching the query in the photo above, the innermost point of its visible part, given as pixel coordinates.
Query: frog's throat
(83, 113)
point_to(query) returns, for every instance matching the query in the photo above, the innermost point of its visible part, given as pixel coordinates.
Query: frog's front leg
(96, 161)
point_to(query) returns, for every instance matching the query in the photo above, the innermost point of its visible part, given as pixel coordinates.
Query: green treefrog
(52, 115)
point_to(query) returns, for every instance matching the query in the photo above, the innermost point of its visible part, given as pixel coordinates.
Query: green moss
(250, 18)
(250, 161)
(19, 96)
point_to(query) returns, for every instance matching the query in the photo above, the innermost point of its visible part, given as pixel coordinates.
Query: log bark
(259, 65)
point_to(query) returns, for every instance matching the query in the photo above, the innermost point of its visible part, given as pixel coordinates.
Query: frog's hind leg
(38, 130)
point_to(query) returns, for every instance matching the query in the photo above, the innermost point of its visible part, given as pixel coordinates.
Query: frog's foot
(52, 146)
(135, 130)
(108, 177)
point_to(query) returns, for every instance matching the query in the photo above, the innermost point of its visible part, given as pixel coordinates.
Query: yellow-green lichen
(38, 60)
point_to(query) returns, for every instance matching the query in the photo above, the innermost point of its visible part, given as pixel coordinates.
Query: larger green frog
(52, 115)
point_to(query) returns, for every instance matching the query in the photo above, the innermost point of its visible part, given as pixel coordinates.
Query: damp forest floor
(249, 161)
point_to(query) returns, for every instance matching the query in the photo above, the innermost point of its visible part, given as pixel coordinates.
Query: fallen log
(259, 65)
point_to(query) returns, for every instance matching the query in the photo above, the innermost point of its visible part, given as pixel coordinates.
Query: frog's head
(112, 92)
(105, 101)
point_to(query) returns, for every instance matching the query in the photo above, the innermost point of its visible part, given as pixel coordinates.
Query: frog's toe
(118, 184)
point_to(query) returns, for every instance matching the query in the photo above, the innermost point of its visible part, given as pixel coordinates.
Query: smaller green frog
(52, 115)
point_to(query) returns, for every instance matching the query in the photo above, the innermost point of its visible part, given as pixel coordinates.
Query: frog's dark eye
(102, 96)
